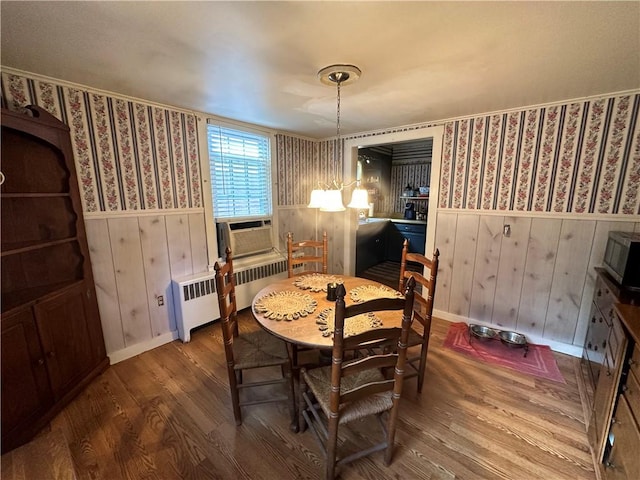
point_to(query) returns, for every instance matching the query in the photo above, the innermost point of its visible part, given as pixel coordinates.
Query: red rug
(538, 362)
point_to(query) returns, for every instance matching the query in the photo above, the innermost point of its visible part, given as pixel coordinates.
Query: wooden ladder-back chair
(310, 254)
(256, 349)
(423, 306)
(344, 391)
(307, 253)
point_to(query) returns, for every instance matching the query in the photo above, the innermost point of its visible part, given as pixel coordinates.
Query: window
(240, 166)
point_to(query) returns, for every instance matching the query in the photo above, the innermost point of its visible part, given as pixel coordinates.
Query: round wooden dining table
(305, 330)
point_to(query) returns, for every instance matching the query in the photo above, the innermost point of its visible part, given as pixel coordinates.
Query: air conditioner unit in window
(245, 238)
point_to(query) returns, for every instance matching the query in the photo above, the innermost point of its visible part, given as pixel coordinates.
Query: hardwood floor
(387, 272)
(166, 414)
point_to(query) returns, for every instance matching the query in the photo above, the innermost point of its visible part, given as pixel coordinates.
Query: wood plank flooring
(166, 414)
(388, 272)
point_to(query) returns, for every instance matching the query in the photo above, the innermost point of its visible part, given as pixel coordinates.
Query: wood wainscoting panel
(198, 242)
(513, 254)
(574, 248)
(463, 264)
(124, 234)
(485, 269)
(157, 272)
(445, 242)
(538, 273)
(104, 276)
(179, 244)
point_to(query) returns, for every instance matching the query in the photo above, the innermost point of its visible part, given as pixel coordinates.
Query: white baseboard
(138, 348)
(568, 349)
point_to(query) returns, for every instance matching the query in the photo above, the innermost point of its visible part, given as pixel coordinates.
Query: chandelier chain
(338, 147)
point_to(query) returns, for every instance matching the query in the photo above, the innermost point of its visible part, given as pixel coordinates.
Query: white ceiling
(257, 61)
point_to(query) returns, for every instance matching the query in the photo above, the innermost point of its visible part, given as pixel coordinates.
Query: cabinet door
(416, 234)
(380, 247)
(64, 326)
(608, 381)
(25, 387)
(623, 461)
(394, 244)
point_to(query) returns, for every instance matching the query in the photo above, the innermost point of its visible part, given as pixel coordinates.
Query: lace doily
(316, 282)
(365, 293)
(285, 305)
(352, 326)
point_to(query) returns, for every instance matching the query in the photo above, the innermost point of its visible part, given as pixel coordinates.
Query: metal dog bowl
(481, 332)
(513, 339)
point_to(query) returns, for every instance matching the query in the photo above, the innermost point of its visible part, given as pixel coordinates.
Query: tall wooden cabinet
(611, 375)
(52, 343)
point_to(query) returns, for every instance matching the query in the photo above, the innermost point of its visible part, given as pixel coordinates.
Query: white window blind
(240, 165)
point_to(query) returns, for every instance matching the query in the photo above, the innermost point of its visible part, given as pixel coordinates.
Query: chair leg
(291, 395)
(391, 431)
(332, 442)
(235, 394)
(302, 389)
(422, 367)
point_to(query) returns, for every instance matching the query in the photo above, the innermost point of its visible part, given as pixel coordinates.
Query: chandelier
(328, 198)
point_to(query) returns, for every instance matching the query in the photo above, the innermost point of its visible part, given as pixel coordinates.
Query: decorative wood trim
(563, 216)
(142, 213)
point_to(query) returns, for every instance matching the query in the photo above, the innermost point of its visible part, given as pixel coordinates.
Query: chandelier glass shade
(332, 201)
(359, 199)
(329, 198)
(317, 198)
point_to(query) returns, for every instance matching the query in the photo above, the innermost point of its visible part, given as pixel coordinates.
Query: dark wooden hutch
(52, 343)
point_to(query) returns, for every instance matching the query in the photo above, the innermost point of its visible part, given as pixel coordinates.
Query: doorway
(434, 134)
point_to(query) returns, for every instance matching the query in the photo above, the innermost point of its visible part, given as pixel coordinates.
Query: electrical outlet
(506, 230)
(160, 300)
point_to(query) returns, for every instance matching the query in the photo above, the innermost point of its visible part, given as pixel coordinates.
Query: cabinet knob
(51, 354)
(41, 361)
(608, 373)
(609, 464)
(632, 362)
(599, 293)
(593, 319)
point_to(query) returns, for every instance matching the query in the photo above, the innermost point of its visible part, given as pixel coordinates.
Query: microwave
(622, 259)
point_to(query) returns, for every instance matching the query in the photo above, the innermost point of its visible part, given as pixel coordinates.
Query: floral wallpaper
(575, 158)
(580, 157)
(301, 165)
(129, 155)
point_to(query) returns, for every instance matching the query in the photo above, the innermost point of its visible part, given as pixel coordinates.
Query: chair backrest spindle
(310, 254)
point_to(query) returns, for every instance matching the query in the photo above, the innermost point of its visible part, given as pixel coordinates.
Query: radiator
(256, 272)
(196, 300)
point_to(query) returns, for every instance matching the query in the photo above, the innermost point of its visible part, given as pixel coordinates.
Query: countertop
(391, 219)
(630, 316)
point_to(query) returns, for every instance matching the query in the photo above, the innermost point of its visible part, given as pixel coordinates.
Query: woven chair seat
(319, 381)
(414, 338)
(258, 349)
